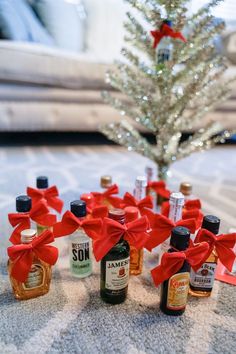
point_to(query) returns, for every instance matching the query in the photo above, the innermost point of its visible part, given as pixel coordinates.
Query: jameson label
(80, 260)
(204, 277)
(117, 274)
(178, 287)
(35, 278)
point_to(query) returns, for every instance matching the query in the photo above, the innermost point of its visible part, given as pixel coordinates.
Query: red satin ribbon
(70, 223)
(99, 212)
(171, 263)
(135, 232)
(192, 204)
(39, 213)
(22, 255)
(145, 203)
(165, 31)
(161, 229)
(194, 214)
(49, 194)
(160, 188)
(100, 198)
(223, 244)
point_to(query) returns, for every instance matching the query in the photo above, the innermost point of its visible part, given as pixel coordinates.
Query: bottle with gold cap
(105, 181)
(115, 267)
(136, 256)
(186, 189)
(39, 277)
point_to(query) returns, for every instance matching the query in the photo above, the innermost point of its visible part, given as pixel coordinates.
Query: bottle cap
(177, 198)
(211, 223)
(168, 22)
(28, 235)
(106, 181)
(185, 188)
(131, 213)
(117, 214)
(180, 237)
(42, 182)
(23, 204)
(88, 198)
(141, 182)
(78, 208)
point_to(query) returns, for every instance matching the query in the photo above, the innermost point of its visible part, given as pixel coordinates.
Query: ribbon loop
(107, 196)
(130, 200)
(50, 195)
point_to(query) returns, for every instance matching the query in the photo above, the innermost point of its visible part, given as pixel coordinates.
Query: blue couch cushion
(18, 22)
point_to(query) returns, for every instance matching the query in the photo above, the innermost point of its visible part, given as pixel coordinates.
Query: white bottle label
(80, 261)
(204, 277)
(117, 274)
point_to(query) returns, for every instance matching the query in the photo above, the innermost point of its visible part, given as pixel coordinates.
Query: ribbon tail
(101, 247)
(55, 203)
(226, 256)
(15, 237)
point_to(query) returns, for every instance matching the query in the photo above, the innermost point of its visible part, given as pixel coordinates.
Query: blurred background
(53, 59)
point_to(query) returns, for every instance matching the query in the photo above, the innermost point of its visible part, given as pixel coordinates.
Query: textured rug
(71, 318)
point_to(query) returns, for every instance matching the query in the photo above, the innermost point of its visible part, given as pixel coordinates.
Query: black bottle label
(117, 275)
(204, 277)
(178, 286)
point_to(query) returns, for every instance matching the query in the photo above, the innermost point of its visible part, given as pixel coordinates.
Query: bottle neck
(175, 213)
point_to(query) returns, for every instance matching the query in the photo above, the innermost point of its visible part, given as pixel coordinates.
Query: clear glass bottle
(42, 184)
(164, 49)
(39, 278)
(80, 244)
(115, 267)
(136, 256)
(174, 291)
(140, 187)
(175, 214)
(150, 191)
(202, 281)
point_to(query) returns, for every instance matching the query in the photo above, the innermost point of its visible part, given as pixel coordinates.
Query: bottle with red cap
(115, 267)
(136, 256)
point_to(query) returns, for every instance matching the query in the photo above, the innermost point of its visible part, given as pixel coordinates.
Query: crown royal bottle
(39, 277)
(174, 291)
(201, 282)
(80, 244)
(115, 267)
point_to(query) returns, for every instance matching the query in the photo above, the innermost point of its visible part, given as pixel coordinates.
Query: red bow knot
(171, 263)
(223, 245)
(192, 204)
(129, 200)
(50, 195)
(39, 213)
(161, 229)
(165, 31)
(22, 255)
(135, 232)
(107, 196)
(160, 188)
(70, 223)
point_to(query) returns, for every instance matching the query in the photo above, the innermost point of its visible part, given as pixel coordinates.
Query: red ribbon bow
(100, 198)
(70, 223)
(22, 255)
(223, 245)
(39, 214)
(135, 232)
(100, 211)
(171, 263)
(192, 204)
(49, 194)
(194, 214)
(165, 31)
(129, 200)
(161, 229)
(160, 188)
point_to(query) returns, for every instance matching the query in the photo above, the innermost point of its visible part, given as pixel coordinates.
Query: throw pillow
(18, 22)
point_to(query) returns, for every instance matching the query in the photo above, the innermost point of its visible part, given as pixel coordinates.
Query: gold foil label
(177, 295)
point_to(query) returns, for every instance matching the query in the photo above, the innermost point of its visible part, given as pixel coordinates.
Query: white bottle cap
(177, 198)
(141, 182)
(28, 235)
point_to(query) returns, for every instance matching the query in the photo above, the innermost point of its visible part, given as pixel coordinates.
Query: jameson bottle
(136, 256)
(150, 191)
(164, 48)
(80, 244)
(175, 214)
(115, 267)
(201, 282)
(42, 184)
(39, 277)
(174, 291)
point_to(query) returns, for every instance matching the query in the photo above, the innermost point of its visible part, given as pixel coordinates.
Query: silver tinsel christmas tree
(171, 93)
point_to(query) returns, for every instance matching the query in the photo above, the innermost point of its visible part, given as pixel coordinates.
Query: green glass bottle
(42, 185)
(115, 267)
(174, 291)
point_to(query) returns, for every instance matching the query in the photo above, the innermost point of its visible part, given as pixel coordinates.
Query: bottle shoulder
(119, 251)
(79, 235)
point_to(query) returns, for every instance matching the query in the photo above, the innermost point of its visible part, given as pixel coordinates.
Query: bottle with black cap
(80, 244)
(42, 184)
(174, 291)
(115, 267)
(165, 47)
(24, 205)
(201, 282)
